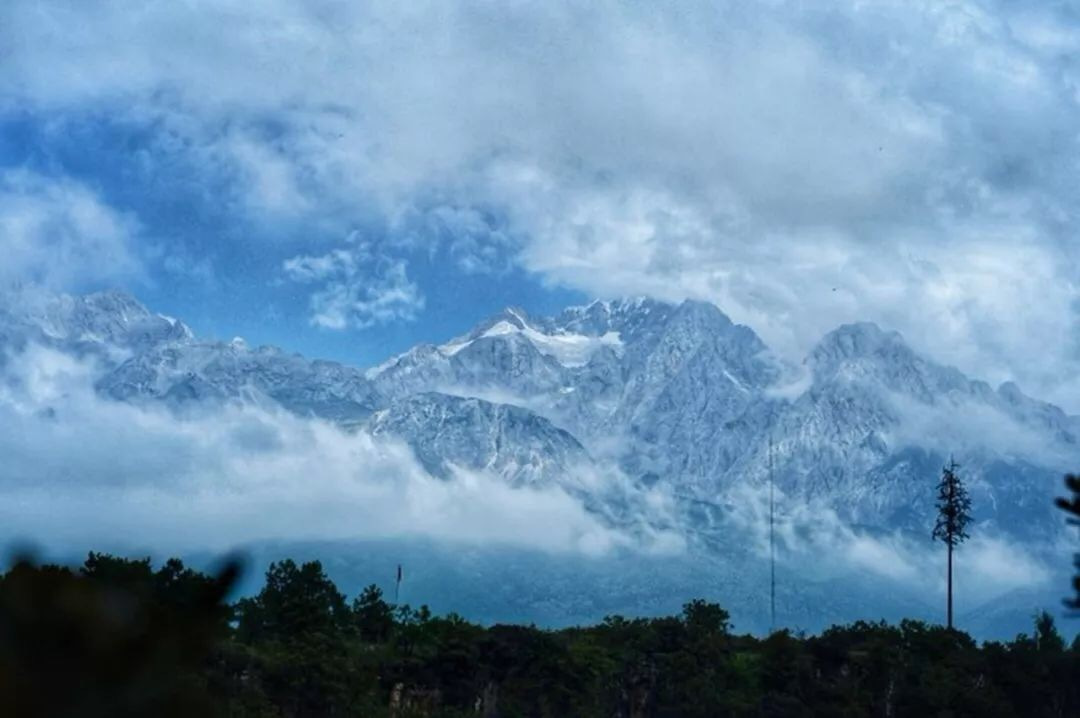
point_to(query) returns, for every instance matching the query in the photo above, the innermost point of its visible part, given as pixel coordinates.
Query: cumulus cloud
(356, 286)
(800, 164)
(80, 471)
(57, 233)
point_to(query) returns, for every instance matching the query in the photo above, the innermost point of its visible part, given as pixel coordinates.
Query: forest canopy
(119, 637)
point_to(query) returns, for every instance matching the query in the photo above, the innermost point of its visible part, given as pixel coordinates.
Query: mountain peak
(115, 300)
(858, 340)
(516, 316)
(110, 318)
(704, 312)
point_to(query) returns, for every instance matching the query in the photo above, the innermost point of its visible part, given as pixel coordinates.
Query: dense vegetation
(119, 638)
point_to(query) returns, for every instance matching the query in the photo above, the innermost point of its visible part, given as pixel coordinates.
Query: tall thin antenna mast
(772, 543)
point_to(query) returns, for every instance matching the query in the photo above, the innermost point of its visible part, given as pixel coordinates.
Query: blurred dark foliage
(119, 638)
(114, 638)
(1071, 506)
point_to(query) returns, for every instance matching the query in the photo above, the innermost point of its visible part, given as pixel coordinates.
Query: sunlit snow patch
(568, 348)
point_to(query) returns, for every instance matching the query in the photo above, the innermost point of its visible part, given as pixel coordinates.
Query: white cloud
(58, 233)
(814, 542)
(983, 431)
(801, 164)
(356, 286)
(992, 561)
(80, 471)
(273, 188)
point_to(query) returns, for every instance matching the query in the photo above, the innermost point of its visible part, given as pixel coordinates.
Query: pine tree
(1072, 506)
(374, 616)
(954, 508)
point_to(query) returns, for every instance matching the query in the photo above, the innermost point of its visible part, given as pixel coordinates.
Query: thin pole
(772, 543)
(949, 537)
(950, 587)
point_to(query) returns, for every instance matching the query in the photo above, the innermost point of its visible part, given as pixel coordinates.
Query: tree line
(119, 637)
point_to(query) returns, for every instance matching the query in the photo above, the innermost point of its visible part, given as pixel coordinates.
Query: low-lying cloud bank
(815, 542)
(81, 471)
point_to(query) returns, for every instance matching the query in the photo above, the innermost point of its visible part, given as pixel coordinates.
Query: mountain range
(654, 398)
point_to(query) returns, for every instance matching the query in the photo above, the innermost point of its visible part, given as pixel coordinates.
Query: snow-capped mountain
(660, 419)
(671, 396)
(189, 371)
(113, 324)
(682, 396)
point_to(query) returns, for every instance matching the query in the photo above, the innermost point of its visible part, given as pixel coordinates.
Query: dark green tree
(1072, 507)
(298, 629)
(954, 514)
(295, 601)
(1047, 638)
(374, 616)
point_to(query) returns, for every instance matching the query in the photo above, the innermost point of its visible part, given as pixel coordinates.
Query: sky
(346, 179)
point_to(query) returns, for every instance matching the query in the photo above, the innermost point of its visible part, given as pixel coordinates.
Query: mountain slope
(446, 431)
(188, 371)
(112, 323)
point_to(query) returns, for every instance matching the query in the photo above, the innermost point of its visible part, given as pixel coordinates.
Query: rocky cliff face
(447, 431)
